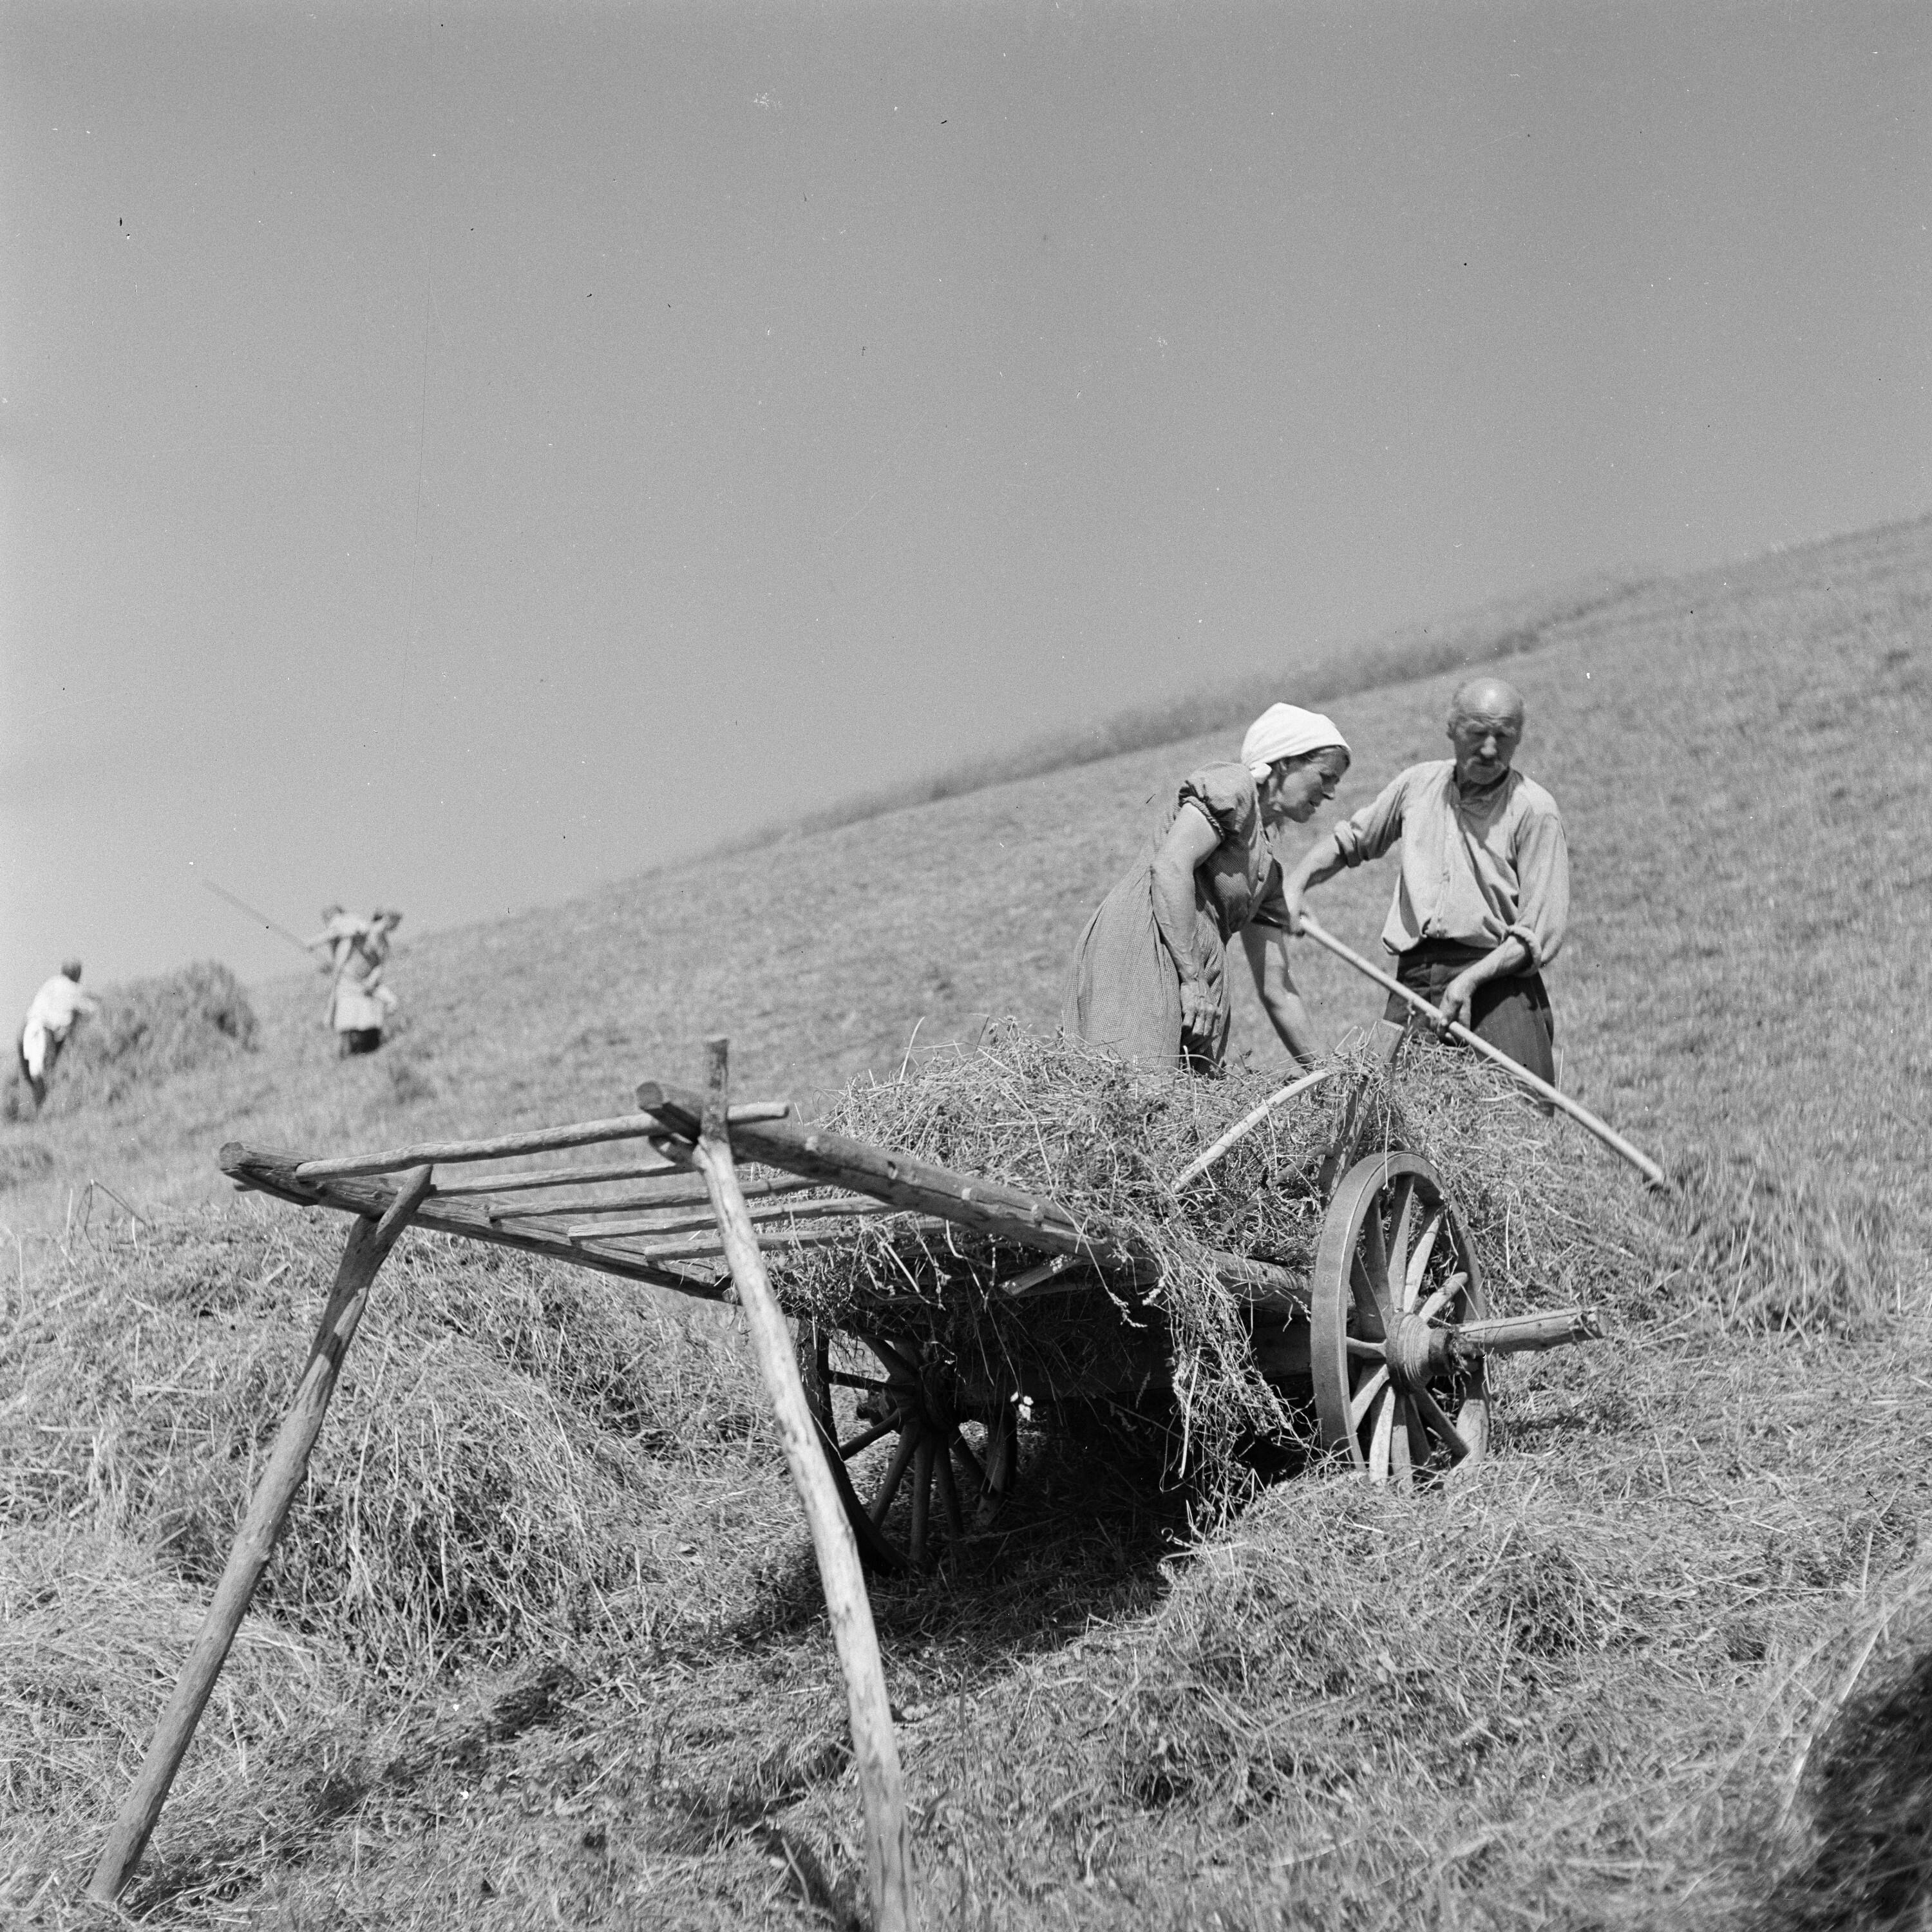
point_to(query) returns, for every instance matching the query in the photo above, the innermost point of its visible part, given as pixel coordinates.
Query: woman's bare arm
(1267, 960)
(1192, 838)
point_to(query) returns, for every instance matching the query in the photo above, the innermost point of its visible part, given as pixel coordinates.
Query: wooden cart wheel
(916, 1460)
(1395, 1272)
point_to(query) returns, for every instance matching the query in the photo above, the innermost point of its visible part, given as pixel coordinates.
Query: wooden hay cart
(1385, 1340)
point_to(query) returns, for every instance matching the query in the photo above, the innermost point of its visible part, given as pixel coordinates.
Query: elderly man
(1483, 895)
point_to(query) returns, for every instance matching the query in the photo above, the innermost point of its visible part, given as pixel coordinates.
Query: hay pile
(1553, 1218)
(1106, 1139)
(145, 1032)
(492, 1474)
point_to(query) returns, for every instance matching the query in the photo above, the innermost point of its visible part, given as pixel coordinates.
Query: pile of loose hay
(493, 1473)
(146, 1031)
(1106, 1139)
(1554, 1219)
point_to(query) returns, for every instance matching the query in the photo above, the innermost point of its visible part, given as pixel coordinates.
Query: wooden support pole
(1581, 1115)
(874, 1749)
(369, 1242)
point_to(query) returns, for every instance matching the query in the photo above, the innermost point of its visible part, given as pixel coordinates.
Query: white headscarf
(1286, 731)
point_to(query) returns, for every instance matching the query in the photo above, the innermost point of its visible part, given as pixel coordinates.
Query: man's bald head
(1485, 723)
(1487, 697)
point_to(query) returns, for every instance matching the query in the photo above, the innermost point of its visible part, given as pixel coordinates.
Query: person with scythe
(1483, 897)
(356, 950)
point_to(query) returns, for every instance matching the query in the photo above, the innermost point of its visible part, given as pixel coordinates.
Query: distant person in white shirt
(355, 950)
(50, 1020)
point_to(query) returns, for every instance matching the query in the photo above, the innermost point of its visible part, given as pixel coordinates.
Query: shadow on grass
(1095, 1514)
(1871, 1808)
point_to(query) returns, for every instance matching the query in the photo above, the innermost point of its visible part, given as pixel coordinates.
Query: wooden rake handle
(1581, 1115)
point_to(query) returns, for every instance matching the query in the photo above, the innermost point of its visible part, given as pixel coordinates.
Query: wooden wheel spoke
(1414, 1433)
(1369, 1311)
(1418, 1261)
(1373, 1352)
(1401, 1210)
(1443, 1296)
(949, 1496)
(1402, 1447)
(1378, 1443)
(847, 1451)
(961, 1447)
(1365, 1396)
(838, 1378)
(923, 1459)
(1002, 1438)
(888, 1485)
(899, 1365)
(1438, 1424)
(1373, 1256)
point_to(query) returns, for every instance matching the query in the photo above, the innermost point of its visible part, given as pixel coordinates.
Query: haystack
(146, 1031)
(1106, 1141)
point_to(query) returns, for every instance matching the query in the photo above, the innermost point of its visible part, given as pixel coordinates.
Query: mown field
(544, 1644)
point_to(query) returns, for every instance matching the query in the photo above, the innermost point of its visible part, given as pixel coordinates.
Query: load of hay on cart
(1006, 1234)
(1311, 1277)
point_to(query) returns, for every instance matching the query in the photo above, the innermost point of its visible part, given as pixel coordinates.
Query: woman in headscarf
(1150, 974)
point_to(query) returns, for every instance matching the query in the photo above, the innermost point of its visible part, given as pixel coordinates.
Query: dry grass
(1661, 1665)
(146, 1032)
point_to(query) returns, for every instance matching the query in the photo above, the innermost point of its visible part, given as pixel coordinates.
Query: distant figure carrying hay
(1483, 895)
(1150, 974)
(51, 1018)
(359, 1004)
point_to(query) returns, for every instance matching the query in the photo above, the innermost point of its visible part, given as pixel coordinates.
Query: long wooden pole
(1581, 1115)
(992, 1207)
(536, 1140)
(875, 1749)
(1246, 1124)
(369, 1242)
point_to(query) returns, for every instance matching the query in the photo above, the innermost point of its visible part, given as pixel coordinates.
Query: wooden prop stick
(538, 1140)
(369, 1242)
(1581, 1115)
(874, 1749)
(1201, 1162)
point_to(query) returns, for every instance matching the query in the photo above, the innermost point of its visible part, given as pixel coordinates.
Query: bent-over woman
(1150, 974)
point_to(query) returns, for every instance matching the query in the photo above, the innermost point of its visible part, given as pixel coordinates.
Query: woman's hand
(1196, 1016)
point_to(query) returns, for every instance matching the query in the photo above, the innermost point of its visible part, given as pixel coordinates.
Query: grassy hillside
(545, 1642)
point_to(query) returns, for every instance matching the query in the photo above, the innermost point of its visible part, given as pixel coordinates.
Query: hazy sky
(455, 454)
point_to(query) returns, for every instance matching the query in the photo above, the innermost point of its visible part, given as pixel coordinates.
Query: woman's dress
(1124, 991)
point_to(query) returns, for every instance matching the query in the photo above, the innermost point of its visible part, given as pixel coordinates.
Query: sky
(453, 455)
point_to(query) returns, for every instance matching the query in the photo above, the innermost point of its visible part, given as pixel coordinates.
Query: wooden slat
(572, 1205)
(860, 1207)
(517, 1181)
(990, 1207)
(276, 1174)
(536, 1140)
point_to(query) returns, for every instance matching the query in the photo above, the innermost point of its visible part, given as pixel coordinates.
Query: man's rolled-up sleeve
(1376, 827)
(1543, 886)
